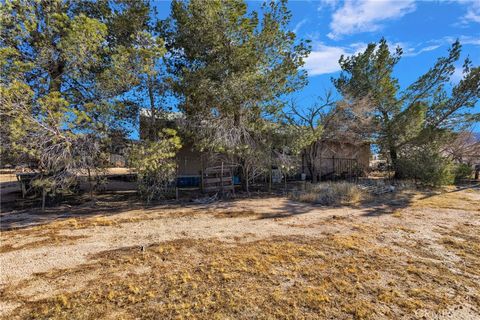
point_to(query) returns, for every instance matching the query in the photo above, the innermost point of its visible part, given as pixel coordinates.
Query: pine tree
(424, 112)
(230, 69)
(61, 84)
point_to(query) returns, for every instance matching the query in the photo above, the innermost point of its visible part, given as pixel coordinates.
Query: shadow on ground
(372, 206)
(458, 189)
(23, 213)
(27, 213)
(387, 204)
(290, 208)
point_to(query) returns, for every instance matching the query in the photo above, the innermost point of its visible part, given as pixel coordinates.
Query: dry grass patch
(8, 177)
(337, 276)
(53, 238)
(235, 213)
(332, 193)
(50, 234)
(468, 201)
(464, 241)
(397, 214)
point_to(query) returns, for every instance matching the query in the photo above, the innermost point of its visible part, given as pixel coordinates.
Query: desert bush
(463, 171)
(331, 193)
(154, 163)
(426, 166)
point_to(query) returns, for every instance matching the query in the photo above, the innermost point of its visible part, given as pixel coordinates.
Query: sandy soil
(71, 242)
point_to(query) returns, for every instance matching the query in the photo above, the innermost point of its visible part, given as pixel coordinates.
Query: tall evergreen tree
(230, 68)
(420, 113)
(62, 77)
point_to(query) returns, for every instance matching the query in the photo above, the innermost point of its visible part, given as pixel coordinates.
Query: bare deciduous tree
(60, 154)
(346, 120)
(465, 148)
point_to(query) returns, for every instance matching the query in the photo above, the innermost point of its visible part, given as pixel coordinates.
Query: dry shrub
(332, 193)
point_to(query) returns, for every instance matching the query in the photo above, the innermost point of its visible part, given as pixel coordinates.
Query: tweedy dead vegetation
(284, 277)
(332, 193)
(450, 199)
(388, 267)
(51, 234)
(464, 241)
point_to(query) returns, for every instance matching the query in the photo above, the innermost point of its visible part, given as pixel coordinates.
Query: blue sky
(424, 29)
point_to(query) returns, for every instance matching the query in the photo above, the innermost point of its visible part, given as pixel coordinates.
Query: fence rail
(338, 168)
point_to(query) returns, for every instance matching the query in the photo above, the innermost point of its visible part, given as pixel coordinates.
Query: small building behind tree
(336, 159)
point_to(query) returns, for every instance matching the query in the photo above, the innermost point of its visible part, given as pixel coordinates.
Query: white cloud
(473, 11)
(324, 59)
(357, 16)
(473, 15)
(409, 51)
(464, 40)
(428, 48)
(457, 75)
(358, 46)
(470, 40)
(299, 25)
(328, 4)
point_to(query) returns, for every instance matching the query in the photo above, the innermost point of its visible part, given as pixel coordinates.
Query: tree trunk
(312, 157)
(56, 77)
(270, 173)
(243, 175)
(309, 166)
(314, 174)
(270, 179)
(153, 116)
(394, 158)
(222, 191)
(308, 161)
(246, 182)
(43, 199)
(90, 186)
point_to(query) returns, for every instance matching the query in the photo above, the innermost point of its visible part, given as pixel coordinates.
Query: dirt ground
(408, 255)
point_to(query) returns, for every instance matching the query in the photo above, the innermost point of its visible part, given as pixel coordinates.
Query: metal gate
(339, 168)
